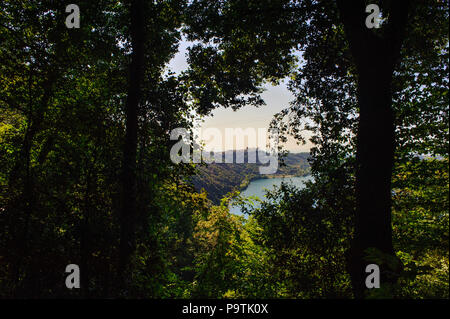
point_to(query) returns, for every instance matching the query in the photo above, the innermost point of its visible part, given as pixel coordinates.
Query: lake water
(257, 187)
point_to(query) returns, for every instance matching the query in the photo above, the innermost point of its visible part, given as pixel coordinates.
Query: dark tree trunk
(86, 234)
(21, 224)
(375, 157)
(375, 58)
(129, 211)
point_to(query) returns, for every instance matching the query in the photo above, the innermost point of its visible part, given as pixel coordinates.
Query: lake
(257, 187)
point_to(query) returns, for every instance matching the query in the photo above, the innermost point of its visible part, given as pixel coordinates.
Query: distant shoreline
(272, 176)
(219, 179)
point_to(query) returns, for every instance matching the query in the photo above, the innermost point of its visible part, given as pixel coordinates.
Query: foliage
(63, 128)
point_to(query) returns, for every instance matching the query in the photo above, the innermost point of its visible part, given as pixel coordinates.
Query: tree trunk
(375, 58)
(375, 157)
(20, 243)
(128, 212)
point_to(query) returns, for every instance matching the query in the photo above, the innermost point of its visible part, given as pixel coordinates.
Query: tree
(86, 175)
(134, 94)
(345, 86)
(152, 39)
(376, 57)
(49, 85)
(326, 91)
(63, 96)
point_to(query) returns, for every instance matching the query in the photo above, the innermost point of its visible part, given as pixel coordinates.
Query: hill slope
(220, 178)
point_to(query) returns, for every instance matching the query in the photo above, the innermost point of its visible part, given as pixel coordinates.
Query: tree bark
(136, 70)
(375, 59)
(20, 243)
(374, 158)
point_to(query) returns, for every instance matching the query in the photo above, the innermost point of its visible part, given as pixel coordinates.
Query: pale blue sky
(276, 98)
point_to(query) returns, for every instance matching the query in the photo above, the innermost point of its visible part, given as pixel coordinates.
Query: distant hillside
(220, 178)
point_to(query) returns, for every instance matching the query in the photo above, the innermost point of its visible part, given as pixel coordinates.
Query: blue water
(257, 188)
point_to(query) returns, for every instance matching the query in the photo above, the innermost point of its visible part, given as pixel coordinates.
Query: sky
(275, 97)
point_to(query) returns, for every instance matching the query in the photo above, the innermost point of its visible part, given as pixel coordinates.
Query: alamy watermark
(73, 279)
(373, 279)
(187, 150)
(373, 19)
